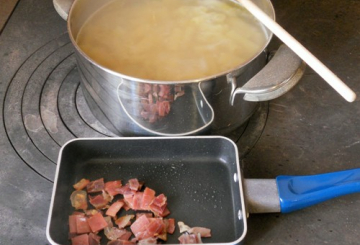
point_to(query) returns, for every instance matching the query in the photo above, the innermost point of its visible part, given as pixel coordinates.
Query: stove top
(309, 130)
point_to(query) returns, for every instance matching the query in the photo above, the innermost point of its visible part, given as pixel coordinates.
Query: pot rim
(142, 80)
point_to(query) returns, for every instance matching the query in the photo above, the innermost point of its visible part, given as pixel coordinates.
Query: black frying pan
(200, 175)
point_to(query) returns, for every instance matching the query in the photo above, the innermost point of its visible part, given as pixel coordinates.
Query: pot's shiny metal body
(208, 105)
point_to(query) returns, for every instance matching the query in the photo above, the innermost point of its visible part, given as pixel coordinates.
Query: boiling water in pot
(171, 40)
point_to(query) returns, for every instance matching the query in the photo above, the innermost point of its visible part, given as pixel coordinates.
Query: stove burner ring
(44, 108)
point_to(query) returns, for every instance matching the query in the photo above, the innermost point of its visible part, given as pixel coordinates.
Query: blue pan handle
(297, 192)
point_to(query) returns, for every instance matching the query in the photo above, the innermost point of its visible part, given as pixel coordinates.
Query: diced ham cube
(82, 225)
(81, 184)
(114, 208)
(95, 186)
(80, 240)
(113, 187)
(97, 222)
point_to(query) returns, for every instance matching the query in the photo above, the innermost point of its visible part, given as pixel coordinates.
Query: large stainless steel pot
(208, 105)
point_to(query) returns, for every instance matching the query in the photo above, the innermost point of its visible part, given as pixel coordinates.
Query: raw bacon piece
(183, 227)
(158, 205)
(91, 212)
(72, 225)
(124, 220)
(165, 213)
(82, 225)
(95, 186)
(145, 227)
(126, 206)
(148, 197)
(113, 187)
(108, 221)
(81, 184)
(149, 215)
(128, 199)
(139, 226)
(97, 222)
(125, 189)
(79, 200)
(80, 240)
(115, 233)
(94, 239)
(187, 238)
(163, 233)
(204, 232)
(137, 200)
(155, 227)
(120, 242)
(163, 108)
(114, 208)
(126, 236)
(100, 201)
(150, 240)
(160, 200)
(134, 184)
(170, 225)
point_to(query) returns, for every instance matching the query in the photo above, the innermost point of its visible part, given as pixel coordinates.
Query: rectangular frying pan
(200, 175)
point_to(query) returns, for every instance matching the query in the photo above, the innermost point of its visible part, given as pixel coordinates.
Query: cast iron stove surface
(309, 130)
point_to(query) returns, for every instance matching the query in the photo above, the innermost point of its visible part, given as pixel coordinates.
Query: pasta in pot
(171, 40)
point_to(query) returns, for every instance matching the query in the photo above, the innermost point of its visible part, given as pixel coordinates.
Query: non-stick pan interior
(199, 175)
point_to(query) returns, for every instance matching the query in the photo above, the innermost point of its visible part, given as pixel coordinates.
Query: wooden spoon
(300, 50)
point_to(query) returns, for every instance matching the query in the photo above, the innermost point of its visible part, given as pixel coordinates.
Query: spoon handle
(300, 50)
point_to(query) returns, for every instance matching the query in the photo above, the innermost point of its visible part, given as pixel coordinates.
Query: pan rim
(237, 178)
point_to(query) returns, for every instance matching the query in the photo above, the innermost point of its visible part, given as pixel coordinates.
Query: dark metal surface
(309, 130)
(196, 174)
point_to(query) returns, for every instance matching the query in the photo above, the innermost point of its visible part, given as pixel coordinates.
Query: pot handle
(297, 192)
(63, 7)
(281, 74)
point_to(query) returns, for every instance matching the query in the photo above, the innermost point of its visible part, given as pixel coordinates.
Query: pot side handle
(281, 74)
(297, 192)
(63, 7)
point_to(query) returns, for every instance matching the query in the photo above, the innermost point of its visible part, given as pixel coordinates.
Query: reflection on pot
(156, 100)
